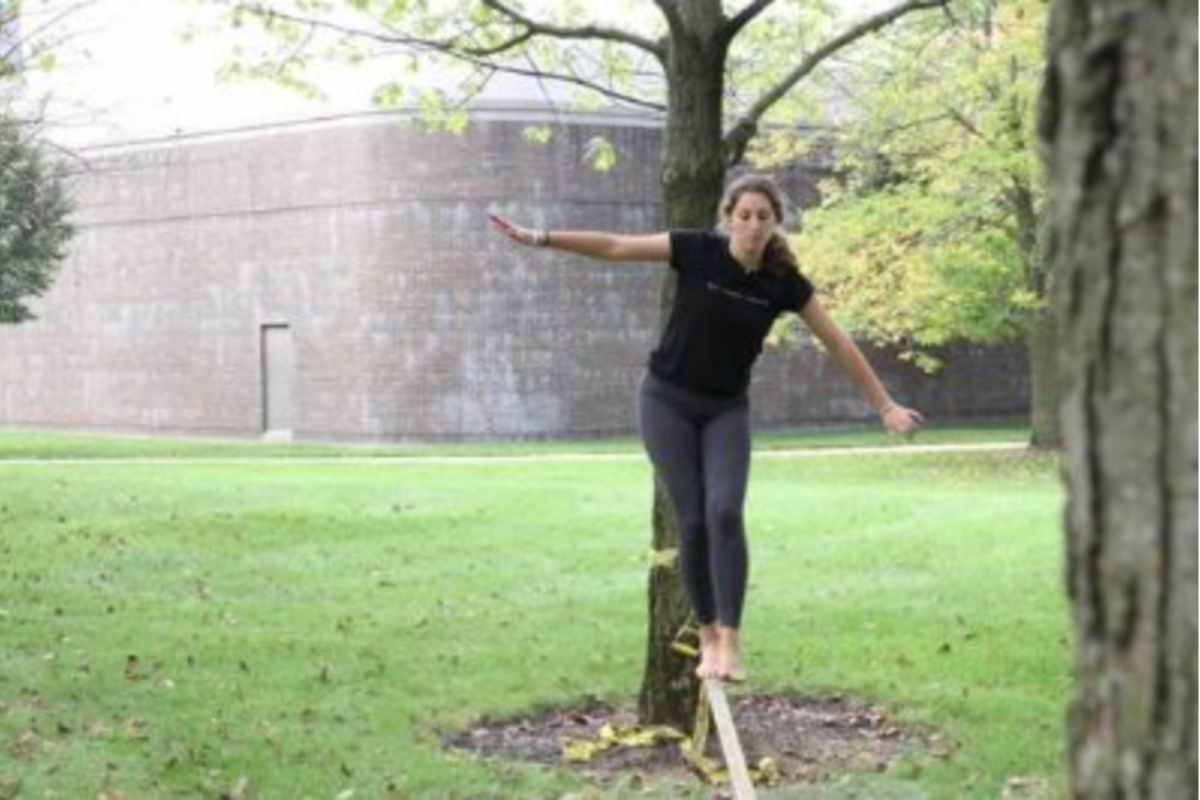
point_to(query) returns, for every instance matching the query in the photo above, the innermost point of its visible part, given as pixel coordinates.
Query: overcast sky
(128, 73)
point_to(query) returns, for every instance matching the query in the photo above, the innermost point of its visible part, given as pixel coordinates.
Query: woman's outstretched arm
(896, 418)
(595, 244)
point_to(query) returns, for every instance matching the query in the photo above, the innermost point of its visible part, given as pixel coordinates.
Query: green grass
(20, 443)
(313, 627)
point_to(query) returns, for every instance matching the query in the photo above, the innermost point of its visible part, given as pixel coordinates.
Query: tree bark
(693, 176)
(1119, 128)
(1041, 336)
(1042, 346)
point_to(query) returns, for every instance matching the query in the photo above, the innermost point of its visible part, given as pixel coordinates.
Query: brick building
(336, 279)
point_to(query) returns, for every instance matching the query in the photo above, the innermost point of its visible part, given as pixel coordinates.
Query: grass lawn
(169, 630)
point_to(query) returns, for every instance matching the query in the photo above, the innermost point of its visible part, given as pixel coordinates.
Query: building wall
(406, 318)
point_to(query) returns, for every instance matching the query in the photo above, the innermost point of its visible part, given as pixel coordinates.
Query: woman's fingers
(500, 223)
(514, 232)
(903, 420)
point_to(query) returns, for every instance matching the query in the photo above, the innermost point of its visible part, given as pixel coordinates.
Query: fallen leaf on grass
(940, 747)
(25, 746)
(97, 730)
(239, 791)
(808, 773)
(1025, 787)
(135, 729)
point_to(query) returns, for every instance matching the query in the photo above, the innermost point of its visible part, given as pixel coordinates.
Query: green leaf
(600, 153)
(538, 134)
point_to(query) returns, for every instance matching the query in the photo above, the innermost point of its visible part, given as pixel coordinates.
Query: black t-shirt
(720, 315)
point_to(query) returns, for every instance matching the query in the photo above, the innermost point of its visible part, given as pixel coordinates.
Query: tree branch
(965, 123)
(744, 129)
(739, 21)
(477, 57)
(268, 12)
(509, 44)
(561, 78)
(674, 21)
(24, 38)
(442, 45)
(583, 32)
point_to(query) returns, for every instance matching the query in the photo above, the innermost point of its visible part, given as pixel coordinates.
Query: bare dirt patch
(809, 739)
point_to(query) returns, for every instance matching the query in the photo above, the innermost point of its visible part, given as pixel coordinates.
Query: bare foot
(729, 661)
(709, 642)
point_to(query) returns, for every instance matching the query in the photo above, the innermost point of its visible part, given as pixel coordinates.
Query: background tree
(34, 206)
(682, 58)
(1119, 126)
(930, 233)
(34, 229)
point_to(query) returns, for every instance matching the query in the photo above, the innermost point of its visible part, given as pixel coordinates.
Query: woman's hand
(518, 234)
(901, 420)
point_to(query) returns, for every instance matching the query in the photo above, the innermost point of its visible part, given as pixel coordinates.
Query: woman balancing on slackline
(692, 403)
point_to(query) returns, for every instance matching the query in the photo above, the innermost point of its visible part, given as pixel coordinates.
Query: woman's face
(751, 222)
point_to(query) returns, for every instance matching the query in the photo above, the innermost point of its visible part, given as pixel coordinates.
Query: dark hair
(778, 258)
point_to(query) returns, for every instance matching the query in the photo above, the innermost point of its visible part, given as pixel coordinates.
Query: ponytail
(778, 258)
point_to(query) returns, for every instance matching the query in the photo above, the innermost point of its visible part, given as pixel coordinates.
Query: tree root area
(808, 739)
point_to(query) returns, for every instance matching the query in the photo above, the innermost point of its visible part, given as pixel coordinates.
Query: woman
(693, 411)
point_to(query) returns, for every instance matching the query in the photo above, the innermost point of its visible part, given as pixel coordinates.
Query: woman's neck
(749, 261)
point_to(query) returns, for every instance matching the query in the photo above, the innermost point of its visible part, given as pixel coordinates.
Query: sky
(129, 71)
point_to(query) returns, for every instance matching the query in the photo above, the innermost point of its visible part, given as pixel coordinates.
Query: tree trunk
(1119, 126)
(693, 175)
(1041, 338)
(1042, 346)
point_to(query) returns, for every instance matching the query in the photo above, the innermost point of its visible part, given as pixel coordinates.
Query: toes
(734, 674)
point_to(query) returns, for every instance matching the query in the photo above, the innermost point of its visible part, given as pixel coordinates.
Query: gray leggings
(700, 446)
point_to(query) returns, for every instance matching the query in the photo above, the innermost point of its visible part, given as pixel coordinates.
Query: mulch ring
(808, 739)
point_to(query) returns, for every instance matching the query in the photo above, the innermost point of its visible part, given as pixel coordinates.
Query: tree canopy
(34, 228)
(34, 206)
(929, 233)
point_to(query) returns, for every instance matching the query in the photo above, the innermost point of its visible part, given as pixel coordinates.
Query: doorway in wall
(278, 362)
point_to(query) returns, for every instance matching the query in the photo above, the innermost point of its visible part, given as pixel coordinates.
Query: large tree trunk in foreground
(1119, 123)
